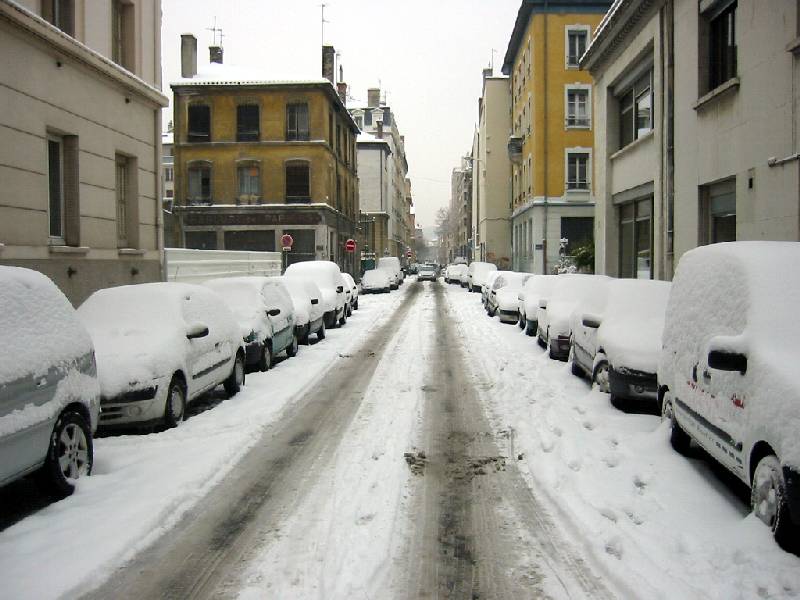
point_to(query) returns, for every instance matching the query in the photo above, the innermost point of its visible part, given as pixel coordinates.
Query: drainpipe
(546, 149)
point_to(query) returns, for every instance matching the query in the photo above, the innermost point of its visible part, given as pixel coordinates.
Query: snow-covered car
(727, 373)
(537, 288)
(392, 265)
(553, 316)
(308, 313)
(426, 272)
(503, 298)
(462, 276)
(376, 281)
(616, 337)
(351, 285)
(328, 277)
(487, 286)
(456, 273)
(264, 310)
(158, 347)
(477, 273)
(49, 393)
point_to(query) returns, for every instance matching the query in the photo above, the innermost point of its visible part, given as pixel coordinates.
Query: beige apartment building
(80, 138)
(697, 126)
(491, 174)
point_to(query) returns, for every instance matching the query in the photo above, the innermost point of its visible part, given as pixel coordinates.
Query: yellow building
(256, 159)
(552, 130)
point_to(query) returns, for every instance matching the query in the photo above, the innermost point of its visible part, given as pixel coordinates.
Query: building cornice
(68, 47)
(531, 7)
(622, 21)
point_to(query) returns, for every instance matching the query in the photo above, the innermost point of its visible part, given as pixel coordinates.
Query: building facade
(491, 174)
(697, 129)
(460, 243)
(80, 140)
(377, 120)
(551, 143)
(256, 159)
(374, 184)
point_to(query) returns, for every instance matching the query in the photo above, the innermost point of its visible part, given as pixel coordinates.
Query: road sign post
(286, 245)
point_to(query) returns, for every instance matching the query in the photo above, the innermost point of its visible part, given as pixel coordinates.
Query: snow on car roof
(38, 326)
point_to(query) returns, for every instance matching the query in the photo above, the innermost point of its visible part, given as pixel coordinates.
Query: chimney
(373, 97)
(341, 87)
(188, 56)
(328, 59)
(215, 54)
(488, 72)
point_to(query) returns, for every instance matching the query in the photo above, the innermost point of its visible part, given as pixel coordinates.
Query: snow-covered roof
(225, 74)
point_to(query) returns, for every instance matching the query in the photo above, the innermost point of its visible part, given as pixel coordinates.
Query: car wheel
(175, 409)
(355, 306)
(235, 380)
(600, 377)
(491, 311)
(576, 370)
(69, 456)
(343, 320)
(678, 438)
(291, 349)
(768, 499)
(265, 360)
(321, 332)
(530, 328)
(520, 321)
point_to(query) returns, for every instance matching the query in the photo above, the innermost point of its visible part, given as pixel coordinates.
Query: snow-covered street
(423, 450)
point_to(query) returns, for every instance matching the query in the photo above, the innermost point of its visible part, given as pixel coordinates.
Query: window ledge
(794, 46)
(634, 144)
(131, 251)
(732, 84)
(80, 250)
(578, 127)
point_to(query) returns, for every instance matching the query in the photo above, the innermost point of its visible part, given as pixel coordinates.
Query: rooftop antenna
(214, 31)
(322, 24)
(492, 64)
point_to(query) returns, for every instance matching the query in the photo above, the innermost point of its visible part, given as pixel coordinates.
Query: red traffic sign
(350, 245)
(287, 241)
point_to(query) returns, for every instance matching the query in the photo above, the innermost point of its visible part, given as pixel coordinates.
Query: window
(249, 183)
(298, 182)
(297, 122)
(636, 239)
(169, 193)
(576, 45)
(60, 13)
(201, 240)
(578, 107)
(722, 47)
(577, 231)
(123, 35)
(247, 126)
(636, 110)
(250, 240)
(169, 174)
(368, 118)
(200, 184)
(578, 171)
(718, 202)
(360, 122)
(199, 123)
(123, 200)
(55, 172)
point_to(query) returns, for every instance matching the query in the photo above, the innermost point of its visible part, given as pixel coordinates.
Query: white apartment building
(80, 137)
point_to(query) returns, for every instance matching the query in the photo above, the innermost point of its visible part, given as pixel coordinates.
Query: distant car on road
(49, 392)
(158, 347)
(376, 281)
(392, 264)
(427, 272)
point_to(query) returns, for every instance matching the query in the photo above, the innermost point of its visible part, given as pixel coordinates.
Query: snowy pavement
(144, 484)
(657, 524)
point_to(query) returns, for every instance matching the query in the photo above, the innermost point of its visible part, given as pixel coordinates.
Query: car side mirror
(274, 312)
(521, 297)
(543, 304)
(339, 289)
(591, 321)
(315, 301)
(727, 361)
(196, 330)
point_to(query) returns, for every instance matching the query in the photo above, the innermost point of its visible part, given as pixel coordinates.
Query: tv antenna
(322, 23)
(214, 31)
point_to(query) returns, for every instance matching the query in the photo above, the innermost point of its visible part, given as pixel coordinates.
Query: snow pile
(38, 328)
(631, 330)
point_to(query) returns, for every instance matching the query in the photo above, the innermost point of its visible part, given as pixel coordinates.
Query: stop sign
(287, 240)
(350, 245)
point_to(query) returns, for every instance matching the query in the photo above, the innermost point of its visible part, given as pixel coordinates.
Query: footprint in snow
(364, 519)
(614, 548)
(641, 484)
(557, 431)
(613, 442)
(579, 409)
(611, 461)
(609, 514)
(548, 445)
(588, 425)
(635, 519)
(575, 465)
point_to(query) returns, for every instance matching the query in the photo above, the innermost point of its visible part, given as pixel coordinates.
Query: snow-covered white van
(727, 374)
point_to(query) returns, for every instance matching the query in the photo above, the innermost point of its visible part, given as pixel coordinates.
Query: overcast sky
(428, 55)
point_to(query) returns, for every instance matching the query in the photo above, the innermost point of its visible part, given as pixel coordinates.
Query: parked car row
(715, 351)
(138, 355)
(386, 276)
